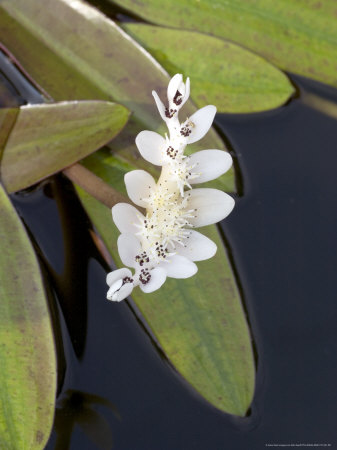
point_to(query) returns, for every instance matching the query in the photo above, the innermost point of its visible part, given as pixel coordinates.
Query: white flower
(177, 94)
(121, 284)
(163, 243)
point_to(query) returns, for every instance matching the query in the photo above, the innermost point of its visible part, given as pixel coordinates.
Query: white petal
(126, 217)
(179, 267)
(210, 164)
(151, 145)
(114, 288)
(211, 206)
(117, 292)
(187, 92)
(128, 247)
(197, 247)
(118, 274)
(158, 277)
(160, 105)
(139, 185)
(202, 120)
(173, 86)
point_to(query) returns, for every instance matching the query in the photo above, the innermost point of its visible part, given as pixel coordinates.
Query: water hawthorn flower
(163, 243)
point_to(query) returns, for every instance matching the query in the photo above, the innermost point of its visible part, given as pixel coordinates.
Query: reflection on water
(75, 408)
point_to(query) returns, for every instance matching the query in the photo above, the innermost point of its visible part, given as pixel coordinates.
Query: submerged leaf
(298, 36)
(27, 355)
(79, 53)
(47, 138)
(228, 76)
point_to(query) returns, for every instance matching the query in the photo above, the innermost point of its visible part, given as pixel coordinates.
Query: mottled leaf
(228, 76)
(298, 36)
(199, 322)
(27, 354)
(47, 138)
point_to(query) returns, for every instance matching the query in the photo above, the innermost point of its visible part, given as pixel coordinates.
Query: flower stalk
(94, 185)
(163, 243)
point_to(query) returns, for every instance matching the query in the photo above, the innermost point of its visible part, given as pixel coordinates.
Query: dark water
(116, 389)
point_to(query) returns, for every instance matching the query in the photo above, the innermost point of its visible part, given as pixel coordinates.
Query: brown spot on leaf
(39, 436)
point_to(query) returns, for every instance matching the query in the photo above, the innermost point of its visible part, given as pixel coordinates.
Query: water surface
(116, 390)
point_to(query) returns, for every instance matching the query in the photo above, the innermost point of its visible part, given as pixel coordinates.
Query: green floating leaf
(226, 75)
(47, 138)
(199, 322)
(79, 53)
(27, 354)
(298, 36)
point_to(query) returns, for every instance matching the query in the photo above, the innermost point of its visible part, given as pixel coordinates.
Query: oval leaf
(298, 36)
(27, 354)
(47, 138)
(199, 322)
(79, 53)
(226, 75)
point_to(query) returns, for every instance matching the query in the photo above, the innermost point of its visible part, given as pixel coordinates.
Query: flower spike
(162, 243)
